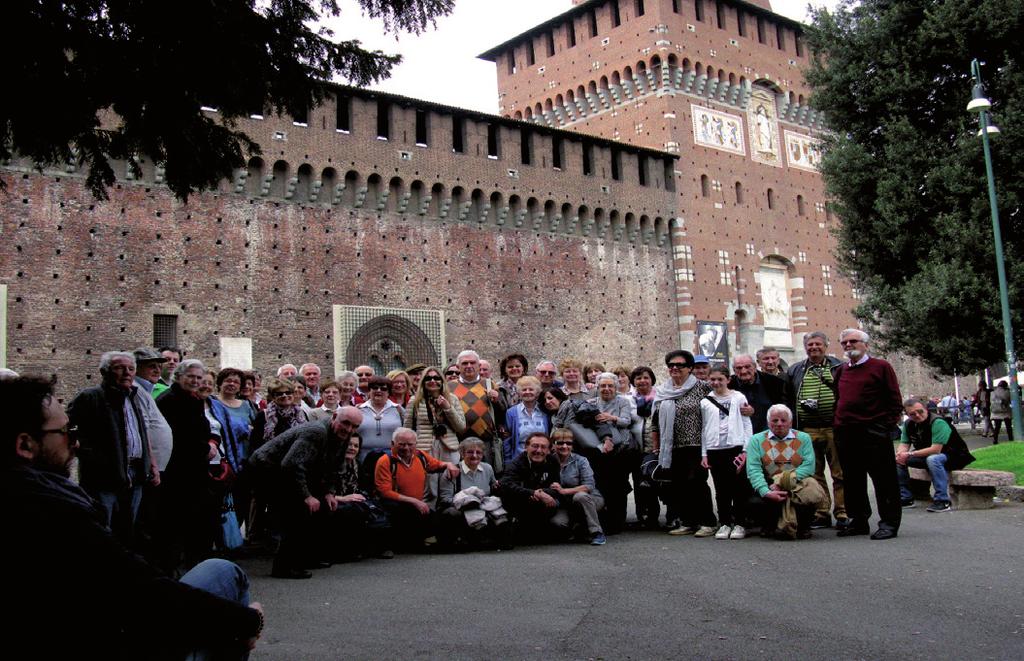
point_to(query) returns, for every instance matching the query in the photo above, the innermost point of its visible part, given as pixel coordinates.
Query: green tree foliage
(905, 172)
(92, 80)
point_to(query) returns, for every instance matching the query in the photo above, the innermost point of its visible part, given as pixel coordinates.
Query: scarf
(665, 396)
(273, 413)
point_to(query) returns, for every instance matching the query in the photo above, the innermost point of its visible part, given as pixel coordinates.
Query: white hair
(779, 408)
(467, 352)
(305, 365)
(186, 365)
(402, 431)
(607, 375)
(281, 368)
(107, 358)
(850, 331)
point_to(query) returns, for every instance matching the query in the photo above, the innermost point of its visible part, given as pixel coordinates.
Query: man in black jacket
(115, 460)
(761, 390)
(57, 550)
(526, 485)
(300, 470)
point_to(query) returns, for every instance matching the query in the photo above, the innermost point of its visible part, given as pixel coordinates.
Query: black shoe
(842, 524)
(804, 533)
(317, 564)
(852, 529)
(823, 522)
(293, 572)
(908, 503)
(883, 533)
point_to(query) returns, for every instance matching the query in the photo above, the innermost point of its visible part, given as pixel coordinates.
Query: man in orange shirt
(401, 481)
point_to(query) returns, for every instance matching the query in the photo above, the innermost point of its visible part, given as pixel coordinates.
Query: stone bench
(970, 489)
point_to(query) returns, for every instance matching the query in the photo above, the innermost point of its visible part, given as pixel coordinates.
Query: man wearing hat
(415, 372)
(701, 367)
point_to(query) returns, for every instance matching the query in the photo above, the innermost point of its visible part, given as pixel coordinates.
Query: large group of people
(178, 460)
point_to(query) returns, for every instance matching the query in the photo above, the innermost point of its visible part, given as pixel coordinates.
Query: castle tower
(718, 82)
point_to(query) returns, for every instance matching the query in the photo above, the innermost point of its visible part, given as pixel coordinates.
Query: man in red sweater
(868, 408)
(401, 481)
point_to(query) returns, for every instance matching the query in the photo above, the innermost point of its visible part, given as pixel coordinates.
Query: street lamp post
(981, 105)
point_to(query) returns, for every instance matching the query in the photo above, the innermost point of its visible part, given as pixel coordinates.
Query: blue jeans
(224, 579)
(121, 508)
(936, 465)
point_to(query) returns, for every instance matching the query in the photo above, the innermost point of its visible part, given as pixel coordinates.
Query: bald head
(345, 421)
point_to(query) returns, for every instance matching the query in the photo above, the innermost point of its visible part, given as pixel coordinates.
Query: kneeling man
(401, 481)
(780, 467)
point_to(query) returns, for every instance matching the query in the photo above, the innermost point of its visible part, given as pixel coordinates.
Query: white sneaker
(723, 532)
(738, 532)
(705, 531)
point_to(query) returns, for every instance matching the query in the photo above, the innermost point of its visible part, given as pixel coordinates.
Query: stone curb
(1011, 493)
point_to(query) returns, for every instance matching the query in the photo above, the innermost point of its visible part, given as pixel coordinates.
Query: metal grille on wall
(387, 338)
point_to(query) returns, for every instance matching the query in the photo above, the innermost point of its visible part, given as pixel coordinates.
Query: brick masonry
(550, 261)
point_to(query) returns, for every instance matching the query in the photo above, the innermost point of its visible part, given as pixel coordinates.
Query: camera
(809, 404)
(439, 431)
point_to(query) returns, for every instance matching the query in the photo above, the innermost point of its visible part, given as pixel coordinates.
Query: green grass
(1003, 457)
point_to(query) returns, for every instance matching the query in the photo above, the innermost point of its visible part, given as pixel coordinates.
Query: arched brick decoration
(390, 342)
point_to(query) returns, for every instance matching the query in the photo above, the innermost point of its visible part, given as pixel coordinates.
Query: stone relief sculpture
(802, 151)
(775, 300)
(764, 127)
(717, 130)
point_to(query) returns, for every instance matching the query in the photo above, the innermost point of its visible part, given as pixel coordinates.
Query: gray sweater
(482, 478)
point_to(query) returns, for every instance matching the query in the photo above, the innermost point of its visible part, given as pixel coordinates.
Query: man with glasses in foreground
(868, 407)
(57, 545)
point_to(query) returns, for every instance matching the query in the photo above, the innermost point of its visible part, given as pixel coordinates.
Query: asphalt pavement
(949, 587)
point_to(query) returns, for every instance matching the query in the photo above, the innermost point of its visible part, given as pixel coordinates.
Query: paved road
(950, 587)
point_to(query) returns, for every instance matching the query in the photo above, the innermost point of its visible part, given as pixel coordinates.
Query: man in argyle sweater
(780, 467)
(479, 399)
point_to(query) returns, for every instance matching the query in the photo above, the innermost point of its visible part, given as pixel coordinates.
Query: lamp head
(979, 102)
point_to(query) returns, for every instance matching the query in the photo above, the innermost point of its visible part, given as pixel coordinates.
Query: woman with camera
(438, 419)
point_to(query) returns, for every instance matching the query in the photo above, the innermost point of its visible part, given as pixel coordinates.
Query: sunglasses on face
(677, 366)
(451, 373)
(432, 378)
(563, 442)
(378, 386)
(545, 371)
(282, 393)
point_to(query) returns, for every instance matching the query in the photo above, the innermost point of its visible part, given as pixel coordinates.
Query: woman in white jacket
(723, 440)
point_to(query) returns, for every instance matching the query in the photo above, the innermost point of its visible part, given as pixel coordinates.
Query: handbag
(230, 533)
(222, 474)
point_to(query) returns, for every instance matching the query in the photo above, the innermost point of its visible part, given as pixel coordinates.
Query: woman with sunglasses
(381, 417)
(438, 419)
(451, 373)
(677, 426)
(282, 413)
(578, 495)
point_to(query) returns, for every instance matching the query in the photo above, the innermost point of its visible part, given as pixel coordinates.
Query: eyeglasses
(677, 366)
(845, 342)
(432, 378)
(563, 442)
(545, 371)
(71, 431)
(282, 393)
(378, 386)
(452, 373)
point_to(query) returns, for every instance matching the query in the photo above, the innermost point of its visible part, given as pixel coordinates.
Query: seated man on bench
(928, 441)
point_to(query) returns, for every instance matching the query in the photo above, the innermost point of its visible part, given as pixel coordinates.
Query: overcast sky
(441, 65)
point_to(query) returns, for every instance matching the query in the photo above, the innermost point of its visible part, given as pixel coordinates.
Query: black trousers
(691, 496)
(732, 489)
(862, 454)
